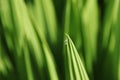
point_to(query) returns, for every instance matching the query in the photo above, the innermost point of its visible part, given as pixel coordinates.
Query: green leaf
(75, 69)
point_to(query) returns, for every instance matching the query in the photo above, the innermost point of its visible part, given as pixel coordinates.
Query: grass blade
(74, 65)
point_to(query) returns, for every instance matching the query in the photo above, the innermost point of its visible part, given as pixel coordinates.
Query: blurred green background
(33, 44)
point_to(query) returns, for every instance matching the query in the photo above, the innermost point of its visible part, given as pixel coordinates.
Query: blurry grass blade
(5, 12)
(48, 57)
(74, 66)
(67, 16)
(118, 67)
(50, 17)
(44, 14)
(119, 40)
(89, 32)
(36, 13)
(50, 63)
(28, 63)
(109, 20)
(117, 48)
(5, 63)
(6, 19)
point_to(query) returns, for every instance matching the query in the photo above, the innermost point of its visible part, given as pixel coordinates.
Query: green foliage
(35, 42)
